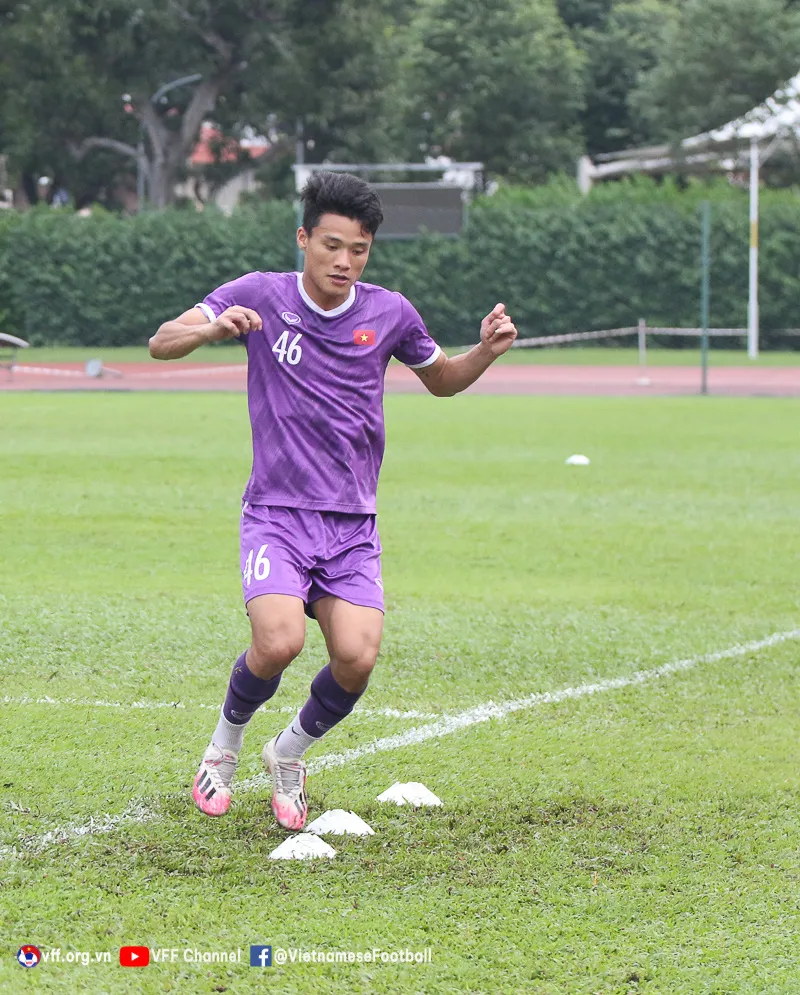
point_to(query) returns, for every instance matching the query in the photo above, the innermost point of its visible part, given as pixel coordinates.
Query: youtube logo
(134, 956)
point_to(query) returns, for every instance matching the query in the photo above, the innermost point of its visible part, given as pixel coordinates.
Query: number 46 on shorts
(258, 570)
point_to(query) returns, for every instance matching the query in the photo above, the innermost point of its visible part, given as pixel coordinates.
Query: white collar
(351, 299)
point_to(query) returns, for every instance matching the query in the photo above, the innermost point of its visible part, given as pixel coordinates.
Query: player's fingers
(234, 324)
(253, 317)
(226, 327)
(498, 324)
(506, 329)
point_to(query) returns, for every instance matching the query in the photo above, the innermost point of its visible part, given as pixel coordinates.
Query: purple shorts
(310, 554)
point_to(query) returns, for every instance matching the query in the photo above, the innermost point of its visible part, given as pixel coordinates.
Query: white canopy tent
(742, 143)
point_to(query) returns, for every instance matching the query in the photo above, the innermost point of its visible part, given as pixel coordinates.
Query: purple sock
(246, 692)
(327, 704)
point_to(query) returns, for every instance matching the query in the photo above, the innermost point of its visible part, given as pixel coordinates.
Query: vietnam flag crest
(364, 336)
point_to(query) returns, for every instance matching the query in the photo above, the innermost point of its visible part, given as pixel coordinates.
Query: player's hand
(234, 321)
(498, 330)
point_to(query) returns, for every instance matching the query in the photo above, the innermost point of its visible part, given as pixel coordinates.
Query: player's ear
(302, 237)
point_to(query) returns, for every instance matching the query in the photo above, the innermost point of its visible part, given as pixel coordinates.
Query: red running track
(739, 381)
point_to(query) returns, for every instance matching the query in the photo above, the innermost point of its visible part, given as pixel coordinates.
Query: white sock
(228, 735)
(293, 742)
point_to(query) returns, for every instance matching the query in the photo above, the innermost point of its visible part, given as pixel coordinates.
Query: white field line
(483, 713)
(444, 726)
(136, 812)
(148, 706)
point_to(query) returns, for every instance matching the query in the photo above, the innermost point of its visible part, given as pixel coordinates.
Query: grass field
(642, 838)
(571, 355)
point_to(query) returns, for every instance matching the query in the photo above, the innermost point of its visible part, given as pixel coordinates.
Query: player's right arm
(176, 339)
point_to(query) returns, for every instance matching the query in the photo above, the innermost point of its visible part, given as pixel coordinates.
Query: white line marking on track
(195, 371)
(444, 726)
(156, 374)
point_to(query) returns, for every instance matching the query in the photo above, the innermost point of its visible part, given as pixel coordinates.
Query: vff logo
(28, 955)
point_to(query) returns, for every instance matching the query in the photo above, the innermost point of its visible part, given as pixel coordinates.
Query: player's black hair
(340, 193)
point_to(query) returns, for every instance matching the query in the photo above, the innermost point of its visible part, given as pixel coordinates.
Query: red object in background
(134, 956)
(364, 336)
(212, 146)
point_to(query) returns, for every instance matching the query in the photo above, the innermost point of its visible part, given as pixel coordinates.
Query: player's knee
(358, 660)
(274, 649)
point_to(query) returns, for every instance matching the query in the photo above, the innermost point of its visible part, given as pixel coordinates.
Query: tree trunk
(166, 167)
(171, 149)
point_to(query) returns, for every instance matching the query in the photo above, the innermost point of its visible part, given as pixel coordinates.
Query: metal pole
(299, 158)
(300, 256)
(140, 171)
(752, 303)
(705, 260)
(644, 380)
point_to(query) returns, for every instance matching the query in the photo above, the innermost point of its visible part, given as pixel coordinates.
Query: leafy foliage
(265, 64)
(561, 263)
(716, 61)
(524, 85)
(618, 52)
(499, 84)
(110, 280)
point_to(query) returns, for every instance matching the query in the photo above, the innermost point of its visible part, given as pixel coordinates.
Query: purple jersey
(315, 388)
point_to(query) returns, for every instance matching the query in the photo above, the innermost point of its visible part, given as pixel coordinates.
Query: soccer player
(318, 344)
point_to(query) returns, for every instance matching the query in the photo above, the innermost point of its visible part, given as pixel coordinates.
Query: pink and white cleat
(212, 784)
(289, 804)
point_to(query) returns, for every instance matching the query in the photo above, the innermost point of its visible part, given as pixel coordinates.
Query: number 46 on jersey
(290, 353)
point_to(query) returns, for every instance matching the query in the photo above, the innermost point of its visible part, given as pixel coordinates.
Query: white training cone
(302, 847)
(340, 823)
(411, 793)
(578, 460)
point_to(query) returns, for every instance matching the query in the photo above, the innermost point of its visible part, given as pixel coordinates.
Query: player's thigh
(277, 550)
(352, 632)
(278, 625)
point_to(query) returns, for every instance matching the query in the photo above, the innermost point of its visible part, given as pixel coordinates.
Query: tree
(72, 60)
(618, 52)
(336, 78)
(717, 61)
(48, 94)
(584, 13)
(496, 80)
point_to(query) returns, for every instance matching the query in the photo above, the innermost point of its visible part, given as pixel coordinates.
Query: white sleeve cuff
(207, 311)
(431, 359)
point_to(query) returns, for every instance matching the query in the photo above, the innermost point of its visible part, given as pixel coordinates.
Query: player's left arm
(447, 376)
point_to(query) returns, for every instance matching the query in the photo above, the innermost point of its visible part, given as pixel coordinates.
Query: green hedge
(595, 263)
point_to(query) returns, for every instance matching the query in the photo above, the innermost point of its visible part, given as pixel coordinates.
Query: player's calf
(327, 705)
(245, 695)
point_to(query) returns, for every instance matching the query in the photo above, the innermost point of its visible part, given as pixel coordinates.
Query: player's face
(336, 253)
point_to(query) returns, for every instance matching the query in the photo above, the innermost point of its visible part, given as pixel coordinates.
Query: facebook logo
(260, 956)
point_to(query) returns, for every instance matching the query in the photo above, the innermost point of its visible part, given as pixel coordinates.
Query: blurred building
(213, 149)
